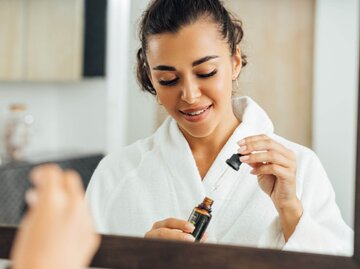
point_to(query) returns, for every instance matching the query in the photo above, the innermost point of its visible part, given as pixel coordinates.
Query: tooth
(197, 113)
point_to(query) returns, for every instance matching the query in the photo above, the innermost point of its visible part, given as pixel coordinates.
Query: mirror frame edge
(151, 253)
(357, 182)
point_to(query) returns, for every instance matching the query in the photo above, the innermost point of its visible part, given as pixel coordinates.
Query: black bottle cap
(234, 161)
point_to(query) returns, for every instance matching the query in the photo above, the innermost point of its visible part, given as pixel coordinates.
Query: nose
(190, 92)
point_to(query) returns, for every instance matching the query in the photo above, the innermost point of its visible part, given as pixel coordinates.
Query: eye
(168, 82)
(208, 74)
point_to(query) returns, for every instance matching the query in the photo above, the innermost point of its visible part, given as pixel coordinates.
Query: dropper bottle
(200, 218)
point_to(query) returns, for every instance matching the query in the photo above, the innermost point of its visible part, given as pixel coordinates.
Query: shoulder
(109, 177)
(114, 168)
(131, 156)
(119, 163)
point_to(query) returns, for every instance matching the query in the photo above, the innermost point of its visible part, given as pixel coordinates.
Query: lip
(197, 118)
(194, 109)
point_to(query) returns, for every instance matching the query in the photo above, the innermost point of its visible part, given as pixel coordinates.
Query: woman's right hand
(57, 231)
(174, 229)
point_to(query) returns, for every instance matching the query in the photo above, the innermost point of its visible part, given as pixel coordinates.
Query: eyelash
(174, 81)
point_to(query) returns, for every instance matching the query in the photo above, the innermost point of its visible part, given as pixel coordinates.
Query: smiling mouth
(196, 113)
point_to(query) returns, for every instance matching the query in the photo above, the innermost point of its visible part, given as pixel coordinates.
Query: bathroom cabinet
(51, 40)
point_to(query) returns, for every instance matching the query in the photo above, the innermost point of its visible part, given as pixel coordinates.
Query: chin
(198, 131)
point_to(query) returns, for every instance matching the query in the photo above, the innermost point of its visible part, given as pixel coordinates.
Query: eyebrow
(195, 63)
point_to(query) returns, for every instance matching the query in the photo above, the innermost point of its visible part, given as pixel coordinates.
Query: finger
(46, 176)
(265, 144)
(173, 223)
(254, 165)
(252, 138)
(267, 157)
(274, 169)
(167, 233)
(73, 184)
(31, 197)
(259, 143)
(204, 238)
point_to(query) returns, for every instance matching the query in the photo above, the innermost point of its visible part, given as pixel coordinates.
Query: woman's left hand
(275, 167)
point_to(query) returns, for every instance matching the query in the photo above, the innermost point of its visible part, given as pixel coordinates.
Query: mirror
(291, 72)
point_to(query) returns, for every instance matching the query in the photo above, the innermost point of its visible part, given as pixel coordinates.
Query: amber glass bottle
(200, 218)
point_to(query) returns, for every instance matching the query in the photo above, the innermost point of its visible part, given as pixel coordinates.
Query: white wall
(142, 105)
(83, 121)
(335, 96)
(117, 69)
(68, 116)
(131, 114)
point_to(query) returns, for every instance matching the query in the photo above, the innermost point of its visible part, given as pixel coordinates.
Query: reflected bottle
(17, 132)
(200, 218)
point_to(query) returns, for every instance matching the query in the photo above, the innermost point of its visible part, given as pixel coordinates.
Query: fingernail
(244, 158)
(189, 238)
(241, 149)
(241, 142)
(31, 197)
(35, 174)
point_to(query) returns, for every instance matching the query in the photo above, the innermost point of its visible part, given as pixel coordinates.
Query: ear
(236, 62)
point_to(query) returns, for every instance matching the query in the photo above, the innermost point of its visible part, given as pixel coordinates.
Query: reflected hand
(57, 231)
(173, 229)
(275, 167)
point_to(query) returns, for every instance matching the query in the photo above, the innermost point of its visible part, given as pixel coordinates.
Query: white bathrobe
(157, 178)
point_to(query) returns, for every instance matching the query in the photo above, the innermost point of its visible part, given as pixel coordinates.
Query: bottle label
(200, 222)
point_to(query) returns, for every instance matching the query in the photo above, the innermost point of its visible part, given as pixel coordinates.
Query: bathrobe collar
(177, 153)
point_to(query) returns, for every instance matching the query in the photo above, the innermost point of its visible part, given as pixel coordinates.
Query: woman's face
(192, 73)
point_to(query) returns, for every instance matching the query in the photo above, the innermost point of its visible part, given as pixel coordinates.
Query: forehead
(190, 43)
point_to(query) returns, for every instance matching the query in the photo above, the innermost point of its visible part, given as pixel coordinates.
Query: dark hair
(170, 16)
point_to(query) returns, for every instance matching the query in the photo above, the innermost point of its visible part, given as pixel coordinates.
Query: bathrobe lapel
(220, 180)
(224, 184)
(183, 175)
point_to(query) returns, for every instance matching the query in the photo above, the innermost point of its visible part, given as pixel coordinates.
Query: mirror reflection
(241, 135)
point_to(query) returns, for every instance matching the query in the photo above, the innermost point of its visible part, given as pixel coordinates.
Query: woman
(281, 197)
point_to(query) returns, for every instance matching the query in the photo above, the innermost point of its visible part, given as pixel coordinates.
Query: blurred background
(68, 90)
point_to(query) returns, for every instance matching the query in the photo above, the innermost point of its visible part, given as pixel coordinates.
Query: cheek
(168, 98)
(219, 87)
